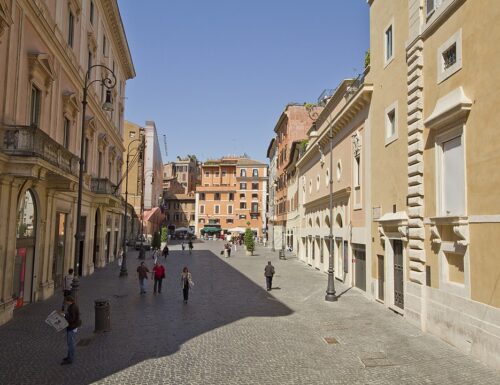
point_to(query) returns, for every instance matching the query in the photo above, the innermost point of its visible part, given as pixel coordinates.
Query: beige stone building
(435, 155)
(180, 211)
(336, 153)
(46, 48)
(232, 193)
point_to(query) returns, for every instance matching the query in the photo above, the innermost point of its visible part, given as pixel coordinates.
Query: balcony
(31, 141)
(103, 186)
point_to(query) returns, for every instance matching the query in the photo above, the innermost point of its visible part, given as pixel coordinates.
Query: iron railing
(31, 141)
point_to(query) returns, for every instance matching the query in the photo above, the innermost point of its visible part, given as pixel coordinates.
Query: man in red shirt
(159, 274)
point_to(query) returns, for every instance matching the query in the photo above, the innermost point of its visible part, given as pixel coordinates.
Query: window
(255, 208)
(89, 59)
(202, 196)
(91, 12)
(36, 105)
(71, 28)
(449, 57)
(243, 186)
(99, 164)
(357, 170)
(255, 196)
(217, 209)
(243, 205)
(242, 216)
(388, 44)
(255, 186)
(66, 127)
(177, 217)
(451, 186)
(243, 172)
(201, 220)
(231, 196)
(242, 196)
(104, 45)
(110, 168)
(391, 123)
(255, 172)
(432, 5)
(207, 174)
(177, 205)
(217, 196)
(229, 220)
(229, 209)
(223, 173)
(339, 170)
(317, 183)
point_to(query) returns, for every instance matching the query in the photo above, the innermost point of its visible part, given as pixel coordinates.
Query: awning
(237, 230)
(211, 230)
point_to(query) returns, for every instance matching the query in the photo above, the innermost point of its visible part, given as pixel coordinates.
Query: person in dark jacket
(269, 272)
(72, 315)
(165, 251)
(142, 272)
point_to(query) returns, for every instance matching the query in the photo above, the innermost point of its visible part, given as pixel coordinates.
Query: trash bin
(282, 254)
(102, 316)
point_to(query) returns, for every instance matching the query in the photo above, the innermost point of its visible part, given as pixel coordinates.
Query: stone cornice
(112, 15)
(336, 195)
(5, 18)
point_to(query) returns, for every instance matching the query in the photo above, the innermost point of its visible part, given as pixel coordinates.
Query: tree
(156, 240)
(249, 242)
(164, 234)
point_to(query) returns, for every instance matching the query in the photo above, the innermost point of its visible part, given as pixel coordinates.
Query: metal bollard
(102, 316)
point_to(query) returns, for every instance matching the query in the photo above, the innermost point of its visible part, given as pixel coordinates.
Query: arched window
(243, 172)
(26, 218)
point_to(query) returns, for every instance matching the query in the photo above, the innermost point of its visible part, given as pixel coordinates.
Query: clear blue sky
(215, 75)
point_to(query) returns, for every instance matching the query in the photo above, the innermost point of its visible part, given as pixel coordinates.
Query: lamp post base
(331, 297)
(123, 273)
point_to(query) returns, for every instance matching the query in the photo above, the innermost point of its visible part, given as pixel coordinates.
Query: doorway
(359, 266)
(59, 250)
(397, 246)
(381, 277)
(97, 226)
(23, 282)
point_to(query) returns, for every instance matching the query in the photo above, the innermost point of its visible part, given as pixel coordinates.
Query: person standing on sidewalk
(165, 251)
(186, 283)
(68, 280)
(183, 245)
(72, 315)
(269, 272)
(190, 245)
(142, 272)
(159, 274)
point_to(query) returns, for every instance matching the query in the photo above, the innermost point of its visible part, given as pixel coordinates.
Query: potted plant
(164, 237)
(249, 242)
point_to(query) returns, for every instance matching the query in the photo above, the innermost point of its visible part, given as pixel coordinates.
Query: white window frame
(202, 209)
(436, 5)
(230, 209)
(389, 139)
(216, 209)
(442, 73)
(440, 140)
(388, 60)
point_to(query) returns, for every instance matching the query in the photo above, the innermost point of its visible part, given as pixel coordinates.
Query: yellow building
(434, 186)
(43, 61)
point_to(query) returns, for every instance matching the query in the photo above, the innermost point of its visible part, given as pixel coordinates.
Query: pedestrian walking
(186, 283)
(68, 280)
(165, 251)
(142, 272)
(120, 257)
(227, 246)
(269, 272)
(158, 275)
(183, 245)
(190, 245)
(72, 315)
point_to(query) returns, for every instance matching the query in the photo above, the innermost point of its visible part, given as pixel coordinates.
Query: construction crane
(165, 144)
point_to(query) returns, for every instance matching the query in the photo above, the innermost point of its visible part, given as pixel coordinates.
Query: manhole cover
(331, 340)
(84, 342)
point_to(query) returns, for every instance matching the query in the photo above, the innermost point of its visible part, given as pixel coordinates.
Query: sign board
(57, 321)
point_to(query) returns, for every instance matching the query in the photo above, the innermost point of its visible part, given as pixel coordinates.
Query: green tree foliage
(249, 242)
(156, 240)
(164, 234)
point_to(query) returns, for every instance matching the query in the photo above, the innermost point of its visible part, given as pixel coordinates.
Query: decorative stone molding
(112, 152)
(41, 69)
(75, 6)
(461, 230)
(435, 236)
(453, 107)
(5, 18)
(70, 105)
(403, 230)
(90, 127)
(356, 143)
(92, 41)
(102, 141)
(381, 231)
(322, 155)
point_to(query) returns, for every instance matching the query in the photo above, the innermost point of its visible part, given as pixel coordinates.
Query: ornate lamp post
(109, 82)
(330, 289)
(123, 268)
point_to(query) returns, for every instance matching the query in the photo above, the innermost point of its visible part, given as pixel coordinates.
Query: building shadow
(142, 327)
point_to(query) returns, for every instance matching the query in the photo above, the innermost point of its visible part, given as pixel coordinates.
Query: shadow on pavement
(143, 327)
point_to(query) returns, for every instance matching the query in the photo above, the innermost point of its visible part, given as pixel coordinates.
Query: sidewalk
(232, 331)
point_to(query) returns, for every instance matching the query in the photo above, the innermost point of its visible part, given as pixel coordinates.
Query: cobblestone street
(232, 331)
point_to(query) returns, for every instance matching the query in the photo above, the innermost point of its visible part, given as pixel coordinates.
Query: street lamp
(123, 268)
(330, 289)
(109, 82)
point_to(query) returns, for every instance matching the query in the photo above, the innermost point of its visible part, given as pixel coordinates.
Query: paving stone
(232, 331)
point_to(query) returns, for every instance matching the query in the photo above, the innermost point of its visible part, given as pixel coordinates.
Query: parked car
(146, 243)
